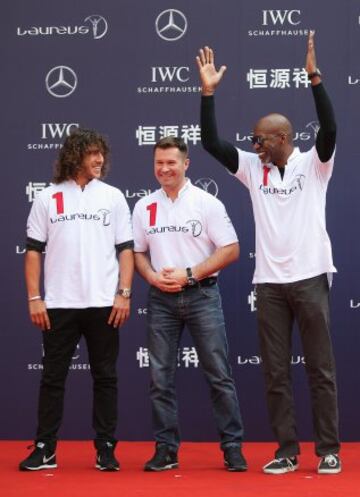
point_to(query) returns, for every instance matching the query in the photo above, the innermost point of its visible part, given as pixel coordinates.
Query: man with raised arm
(293, 258)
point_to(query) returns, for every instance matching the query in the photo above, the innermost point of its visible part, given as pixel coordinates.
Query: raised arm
(326, 137)
(222, 150)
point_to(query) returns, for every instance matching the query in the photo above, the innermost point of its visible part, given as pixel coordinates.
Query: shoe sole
(281, 471)
(238, 470)
(329, 471)
(163, 468)
(104, 468)
(235, 469)
(43, 466)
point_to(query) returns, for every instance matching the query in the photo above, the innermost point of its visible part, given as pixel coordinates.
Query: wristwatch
(124, 292)
(191, 281)
(314, 74)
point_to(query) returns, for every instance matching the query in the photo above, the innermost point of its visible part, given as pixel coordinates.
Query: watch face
(125, 292)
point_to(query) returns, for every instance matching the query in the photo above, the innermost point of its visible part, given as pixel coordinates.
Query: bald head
(273, 139)
(274, 124)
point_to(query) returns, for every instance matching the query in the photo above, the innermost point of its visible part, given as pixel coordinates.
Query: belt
(212, 280)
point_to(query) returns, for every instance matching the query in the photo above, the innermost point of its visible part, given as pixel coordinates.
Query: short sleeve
(123, 227)
(37, 223)
(140, 242)
(220, 228)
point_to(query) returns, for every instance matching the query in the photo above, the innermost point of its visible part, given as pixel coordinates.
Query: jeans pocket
(209, 291)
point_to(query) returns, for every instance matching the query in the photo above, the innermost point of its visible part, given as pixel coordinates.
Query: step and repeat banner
(127, 68)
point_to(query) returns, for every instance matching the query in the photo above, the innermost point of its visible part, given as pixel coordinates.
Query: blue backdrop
(127, 68)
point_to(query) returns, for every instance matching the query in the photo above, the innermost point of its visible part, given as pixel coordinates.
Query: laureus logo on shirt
(196, 227)
(297, 184)
(102, 215)
(193, 226)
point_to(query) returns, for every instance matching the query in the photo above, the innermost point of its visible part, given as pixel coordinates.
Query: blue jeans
(201, 311)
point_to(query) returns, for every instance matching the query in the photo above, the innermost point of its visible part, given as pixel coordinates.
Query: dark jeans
(67, 327)
(201, 311)
(279, 305)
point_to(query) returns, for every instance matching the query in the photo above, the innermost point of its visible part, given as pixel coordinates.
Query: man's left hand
(120, 311)
(175, 274)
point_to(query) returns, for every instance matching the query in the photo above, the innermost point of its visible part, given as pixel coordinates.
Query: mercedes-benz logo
(61, 81)
(208, 185)
(99, 26)
(171, 24)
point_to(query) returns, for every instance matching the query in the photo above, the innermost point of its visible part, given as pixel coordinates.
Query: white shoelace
(281, 459)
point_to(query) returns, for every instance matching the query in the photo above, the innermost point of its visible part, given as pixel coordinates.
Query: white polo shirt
(182, 233)
(81, 229)
(292, 243)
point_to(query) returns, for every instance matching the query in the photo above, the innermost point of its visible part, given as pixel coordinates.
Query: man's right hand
(39, 315)
(164, 282)
(209, 76)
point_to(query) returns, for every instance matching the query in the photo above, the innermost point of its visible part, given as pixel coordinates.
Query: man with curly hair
(85, 226)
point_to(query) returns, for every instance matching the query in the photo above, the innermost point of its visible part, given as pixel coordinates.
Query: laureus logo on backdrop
(61, 81)
(279, 22)
(309, 132)
(354, 304)
(208, 185)
(95, 25)
(77, 362)
(353, 80)
(256, 360)
(142, 192)
(52, 135)
(171, 25)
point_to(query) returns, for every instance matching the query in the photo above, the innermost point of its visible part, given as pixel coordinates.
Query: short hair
(171, 142)
(74, 149)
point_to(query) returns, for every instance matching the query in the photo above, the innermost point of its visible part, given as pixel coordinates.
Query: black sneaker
(281, 465)
(329, 465)
(105, 458)
(42, 457)
(163, 459)
(234, 459)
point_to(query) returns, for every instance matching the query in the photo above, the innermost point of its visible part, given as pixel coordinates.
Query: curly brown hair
(75, 148)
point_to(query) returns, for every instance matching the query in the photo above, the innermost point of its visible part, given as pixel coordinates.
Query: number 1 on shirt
(59, 202)
(152, 208)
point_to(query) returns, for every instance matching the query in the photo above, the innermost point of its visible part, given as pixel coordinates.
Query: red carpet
(201, 474)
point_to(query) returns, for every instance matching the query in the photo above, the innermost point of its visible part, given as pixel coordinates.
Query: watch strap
(314, 74)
